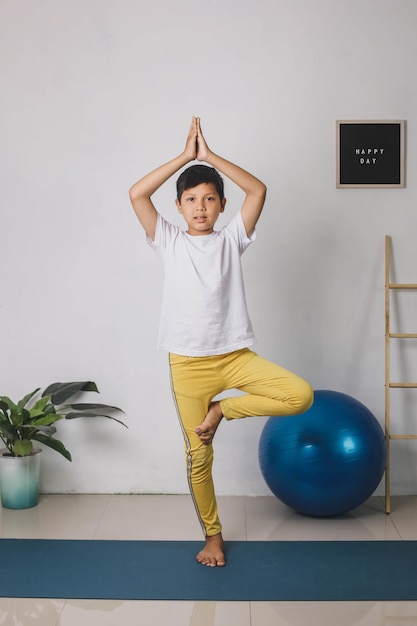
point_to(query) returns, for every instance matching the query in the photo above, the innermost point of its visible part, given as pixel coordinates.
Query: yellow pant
(269, 390)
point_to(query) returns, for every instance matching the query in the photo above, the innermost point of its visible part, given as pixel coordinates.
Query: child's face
(200, 207)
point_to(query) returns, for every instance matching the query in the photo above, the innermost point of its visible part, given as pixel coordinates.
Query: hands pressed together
(196, 146)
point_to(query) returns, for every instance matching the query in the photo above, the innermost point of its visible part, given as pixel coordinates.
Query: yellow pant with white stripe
(269, 390)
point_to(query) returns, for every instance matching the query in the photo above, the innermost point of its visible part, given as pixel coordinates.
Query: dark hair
(197, 174)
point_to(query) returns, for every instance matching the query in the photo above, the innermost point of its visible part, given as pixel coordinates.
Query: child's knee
(305, 398)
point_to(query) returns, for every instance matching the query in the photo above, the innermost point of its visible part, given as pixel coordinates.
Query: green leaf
(22, 403)
(60, 392)
(26, 431)
(48, 430)
(20, 418)
(4, 406)
(46, 420)
(94, 406)
(39, 406)
(8, 403)
(72, 416)
(23, 447)
(8, 430)
(50, 409)
(4, 414)
(53, 443)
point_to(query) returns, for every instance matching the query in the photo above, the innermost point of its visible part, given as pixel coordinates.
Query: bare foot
(207, 429)
(212, 555)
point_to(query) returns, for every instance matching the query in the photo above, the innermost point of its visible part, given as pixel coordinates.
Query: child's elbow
(132, 194)
(262, 191)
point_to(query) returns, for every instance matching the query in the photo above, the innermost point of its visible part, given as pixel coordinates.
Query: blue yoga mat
(167, 570)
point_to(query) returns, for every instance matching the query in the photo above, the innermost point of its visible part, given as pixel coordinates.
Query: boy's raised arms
(196, 148)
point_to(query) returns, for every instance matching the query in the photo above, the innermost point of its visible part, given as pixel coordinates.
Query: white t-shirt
(204, 308)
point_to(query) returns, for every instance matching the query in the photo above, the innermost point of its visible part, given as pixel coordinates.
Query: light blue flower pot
(19, 480)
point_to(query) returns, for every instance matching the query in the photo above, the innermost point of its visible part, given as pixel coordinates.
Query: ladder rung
(403, 436)
(403, 335)
(404, 385)
(402, 285)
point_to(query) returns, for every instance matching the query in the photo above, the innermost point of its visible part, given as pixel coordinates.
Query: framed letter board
(370, 153)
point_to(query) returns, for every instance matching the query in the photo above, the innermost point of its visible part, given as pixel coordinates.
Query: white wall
(95, 93)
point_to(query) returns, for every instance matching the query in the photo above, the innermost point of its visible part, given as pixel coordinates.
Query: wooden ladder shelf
(388, 383)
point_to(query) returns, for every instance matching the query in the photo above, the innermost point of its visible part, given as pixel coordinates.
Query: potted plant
(32, 420)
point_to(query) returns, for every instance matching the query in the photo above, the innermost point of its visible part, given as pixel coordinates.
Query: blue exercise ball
(326, 461)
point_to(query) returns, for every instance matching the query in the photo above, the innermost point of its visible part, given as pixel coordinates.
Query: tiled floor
(151, 517)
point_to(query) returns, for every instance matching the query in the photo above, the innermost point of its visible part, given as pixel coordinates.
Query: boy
(204, 323)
